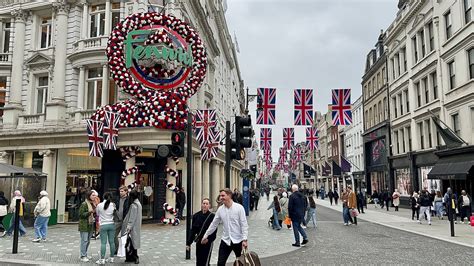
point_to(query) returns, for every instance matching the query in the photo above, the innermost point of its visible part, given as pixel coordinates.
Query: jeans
(345, 214)
(297, 230)
(311, 215)
(107, 232)
(439, 207)
(41, 227)
(85, 241)
(276, 225)
(21, 228)
(426, 210)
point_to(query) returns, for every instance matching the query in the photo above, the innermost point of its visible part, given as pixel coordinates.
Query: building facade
(54, 75)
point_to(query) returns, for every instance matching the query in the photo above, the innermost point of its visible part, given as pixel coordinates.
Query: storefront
(376, 159)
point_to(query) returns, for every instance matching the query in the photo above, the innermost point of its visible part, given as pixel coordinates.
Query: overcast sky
(319, 44)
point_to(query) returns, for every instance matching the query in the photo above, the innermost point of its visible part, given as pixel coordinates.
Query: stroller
(270, 221)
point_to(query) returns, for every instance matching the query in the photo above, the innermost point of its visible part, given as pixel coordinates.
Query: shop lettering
(147, 52)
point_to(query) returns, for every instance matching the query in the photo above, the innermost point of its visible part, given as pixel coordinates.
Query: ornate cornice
(61, 7)
(46, 153)
(20, 15)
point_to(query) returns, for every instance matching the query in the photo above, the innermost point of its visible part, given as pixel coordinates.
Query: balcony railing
(81, 115)
(5, 58)
(30, 120)
(90, 44)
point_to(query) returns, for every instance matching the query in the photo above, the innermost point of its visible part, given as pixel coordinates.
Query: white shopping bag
(121, 247)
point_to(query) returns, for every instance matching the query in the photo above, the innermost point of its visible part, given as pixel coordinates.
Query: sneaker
(418, 221)
(85, 259)
(110, 260)
(296, 245)
(303, 226)
(36, 240)
(101, 261)
(305, 241)
(346, 224)
(43, 240)
(429, 223)
(3, 234)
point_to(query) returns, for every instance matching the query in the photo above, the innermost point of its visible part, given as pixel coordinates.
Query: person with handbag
(234, 236)
(3, 210)
(86, 224)
(22, 230)
(200, 223)
(283, 215)
(133, 221)
(105, 211)
(352, 203)
(396, 199)
(122, 210)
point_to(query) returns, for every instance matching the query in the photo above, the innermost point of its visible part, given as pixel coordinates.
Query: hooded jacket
(296, 207)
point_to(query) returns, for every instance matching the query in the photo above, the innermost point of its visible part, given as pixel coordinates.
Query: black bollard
(16, 226)
(451, 213)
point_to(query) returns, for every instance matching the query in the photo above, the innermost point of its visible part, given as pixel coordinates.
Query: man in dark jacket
(296, 210)
(425, 204)
(122, 210)
(180, 202)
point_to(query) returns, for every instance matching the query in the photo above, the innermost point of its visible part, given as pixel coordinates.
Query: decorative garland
(169, 209)
(172, 187)
(172, 221)
(129, 171)
(130, 151)
(132, 186)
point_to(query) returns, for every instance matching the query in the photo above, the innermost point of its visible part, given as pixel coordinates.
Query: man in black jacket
(122, 210)
(425, 204)
(296, 210)
(180, 202)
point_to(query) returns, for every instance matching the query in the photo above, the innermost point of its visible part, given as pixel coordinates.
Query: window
(471, 63)
(97, 20)
(472, 120)
(448, 23)
(3, 92)
(418, 94)
(115, 14)
(396, 151)
(401, 103)
(423, 45)
(431, 36)
(5, 41)
(455, 121)
(422, 137)
(403, 140)
(392, 61)
(452, 75)
(427, 90)
(385, 108)
(404, 53)
(409, 139)
(407, 100)
(394, 101)
(467, 11)
(398, 57)
(94, 88)
(380, 112)
(45, 28)
(434, 84)
(41, 94)
(383, 75)
(415, 48)
(428, 129)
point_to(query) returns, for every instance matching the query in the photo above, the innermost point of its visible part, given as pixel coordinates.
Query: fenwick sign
(139, 52)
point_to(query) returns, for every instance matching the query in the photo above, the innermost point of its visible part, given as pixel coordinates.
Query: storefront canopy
(451, 170)
(7, 170)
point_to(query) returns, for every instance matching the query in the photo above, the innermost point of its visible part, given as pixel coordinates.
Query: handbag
(472, 220)
(248, 258)
(196, 238)
(3, 210)
(354, 213)
(287, 220)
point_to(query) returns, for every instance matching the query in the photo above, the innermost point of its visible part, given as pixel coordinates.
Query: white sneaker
(101, 261)
(418, 221)
(303, 226)
(36, 240)
(85, 259)
(346, 224)
(110, 260)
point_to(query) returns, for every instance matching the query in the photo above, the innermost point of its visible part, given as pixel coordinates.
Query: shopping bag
(121, 247)
(248, 258)
(287, 221)
(354, 213)
(472, 219)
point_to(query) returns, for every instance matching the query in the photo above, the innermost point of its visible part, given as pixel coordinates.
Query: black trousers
(132, 254)
(417, 211)
(224, 252)
(203, 253)
(256, 204)
(2, 227)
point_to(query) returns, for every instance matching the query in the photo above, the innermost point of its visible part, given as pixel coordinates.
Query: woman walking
(22, 230)
(133, 220)
(86, 224)
(284, 209)
(105, 211)
(201, 221)
(276, 210)
(438, 204)
(336, 196)
(396, 199)
(311, 215)
(3, 210)
(415, 206)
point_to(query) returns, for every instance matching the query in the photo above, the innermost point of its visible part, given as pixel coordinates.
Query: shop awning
(7, 170)
(451, 170)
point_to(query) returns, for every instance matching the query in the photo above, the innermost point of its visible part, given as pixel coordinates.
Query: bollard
(16, 224)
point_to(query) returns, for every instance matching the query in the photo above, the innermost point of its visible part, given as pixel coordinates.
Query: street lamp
(259, 106)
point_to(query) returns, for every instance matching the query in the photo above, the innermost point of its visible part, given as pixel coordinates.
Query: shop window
(403, 181)
(45, 32)
(41, 94)
(5, 40)
(94, 88)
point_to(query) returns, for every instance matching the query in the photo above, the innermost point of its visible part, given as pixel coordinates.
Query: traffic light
(243, 133)
(177, 144)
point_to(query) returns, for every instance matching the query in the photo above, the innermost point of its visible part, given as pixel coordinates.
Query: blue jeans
(345, 214)
(21, 228)
(107, 232)
(41, 227)
(85, 241)
(311, 215)
(276, 224)
(297, 230)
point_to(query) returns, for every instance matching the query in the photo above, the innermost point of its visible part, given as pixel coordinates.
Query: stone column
(197, 182)
(61, 183)
(56, 109)
(129, 163)
(205, 179)
(171, 195)
(80, 93)
(85, 18)
(215, 181)
(5, 157)
(13, 107)
(105, 85)
(108, 22)
(222, 175)
(49, 170)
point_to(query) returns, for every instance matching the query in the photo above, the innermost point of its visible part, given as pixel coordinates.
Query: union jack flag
(96, 138)
(303, 107)
(204, 123)
(298, 153)
(341, 107)
(288, 137)
(282, 155)
(285, 168)
(111, 125)
(293, 164)
(211, 148)
(266, 106)
(312, 138)
(266, 139)
(267, 155)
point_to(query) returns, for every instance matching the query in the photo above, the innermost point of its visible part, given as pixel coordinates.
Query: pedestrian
(3, 211)
(200, 223)
(336, 196)
(464, 204)
(86, 223)
(180, 202)
(375, 198)
(438, 204)
(415, 206)
(275, 206)
(311, 214)
(256, 198)
(252, 200)
(425, 204)
(450, 201)
(317, 193)
(267, 192)
(96, 202)
(133, 222)
(352, 203)
(386, 198)
(330, 196)
(42, 213)
(105, 211)
(396, 199)
(235, 227)
(237, 196)
(122, 205)
(284, 210)
(360, 202)
(21, 228)
(296, 210)
(322, 192)
(345, 207)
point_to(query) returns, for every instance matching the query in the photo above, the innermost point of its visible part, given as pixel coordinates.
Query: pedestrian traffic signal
(177, 144)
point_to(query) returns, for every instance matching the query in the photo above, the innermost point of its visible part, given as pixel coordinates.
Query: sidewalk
(440, 229)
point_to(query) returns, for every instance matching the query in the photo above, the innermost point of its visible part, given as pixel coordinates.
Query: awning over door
(451, 170)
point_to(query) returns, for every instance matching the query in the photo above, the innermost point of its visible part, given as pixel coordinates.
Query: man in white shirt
(234, 236)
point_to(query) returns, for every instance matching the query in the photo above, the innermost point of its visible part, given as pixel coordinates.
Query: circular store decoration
(159, 60)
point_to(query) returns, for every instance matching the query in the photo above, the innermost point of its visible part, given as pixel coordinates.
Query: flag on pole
(341, 107)
(288, 137)
(96, 137)
(312, 138)
(266, 106)
(265, 138)
(111, 124)
(303, 107)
